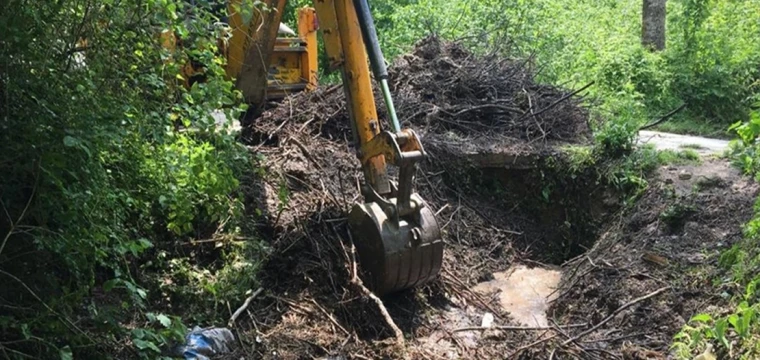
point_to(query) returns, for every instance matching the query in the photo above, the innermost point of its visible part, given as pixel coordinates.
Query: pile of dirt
(443, 88)
(651, 270)
(455, 100)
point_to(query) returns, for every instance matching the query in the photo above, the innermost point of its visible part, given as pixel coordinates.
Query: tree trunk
(653, 24)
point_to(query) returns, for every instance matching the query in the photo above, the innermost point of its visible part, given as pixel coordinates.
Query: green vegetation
(682, 157)
(103, 192)
(735, 331)
(692, 146)
(710, 62)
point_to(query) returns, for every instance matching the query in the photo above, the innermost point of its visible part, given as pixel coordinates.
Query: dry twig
(611, 316)
(519, 328)
(242, 308)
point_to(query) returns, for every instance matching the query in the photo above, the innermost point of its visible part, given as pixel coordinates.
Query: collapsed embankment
(496, 176)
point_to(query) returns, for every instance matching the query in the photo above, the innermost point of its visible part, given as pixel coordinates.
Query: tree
(653, 24)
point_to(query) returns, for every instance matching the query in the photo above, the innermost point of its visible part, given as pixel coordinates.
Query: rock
(487, 320)
(684, 175)
(707, 355)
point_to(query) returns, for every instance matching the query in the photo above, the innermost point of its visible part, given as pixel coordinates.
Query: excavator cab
(294, 63)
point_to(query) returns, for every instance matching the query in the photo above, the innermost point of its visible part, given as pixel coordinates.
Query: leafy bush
(98, 178)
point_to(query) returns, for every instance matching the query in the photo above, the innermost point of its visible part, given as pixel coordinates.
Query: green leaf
(145, 243)
(143, 345)
(701, 318)
(25, 331)
(66, 353)
(720, 332)
(164, 320)
(138, 333)
(743, 327)
(733, 320)
(110, 284)
(69, 141)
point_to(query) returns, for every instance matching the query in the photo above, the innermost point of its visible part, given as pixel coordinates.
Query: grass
(682, 157)
(656, 157)
(692, 146)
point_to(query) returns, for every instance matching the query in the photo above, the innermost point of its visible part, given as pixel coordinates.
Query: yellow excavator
(293, 64)
(396, 234)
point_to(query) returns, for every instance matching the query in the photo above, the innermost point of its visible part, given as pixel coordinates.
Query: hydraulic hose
(369, 34)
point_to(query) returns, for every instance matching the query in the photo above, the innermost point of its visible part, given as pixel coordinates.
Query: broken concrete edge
(523, 159)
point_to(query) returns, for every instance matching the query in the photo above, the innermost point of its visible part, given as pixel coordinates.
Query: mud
(670, 240)
(525, 293)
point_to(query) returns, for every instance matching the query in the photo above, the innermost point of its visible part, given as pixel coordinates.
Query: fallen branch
(306, 152)
(525, 347)
(383, 310)
(242, 308)
(663, 118)
(356, 281)
(611, 316)
(539, 112)
(518, 328)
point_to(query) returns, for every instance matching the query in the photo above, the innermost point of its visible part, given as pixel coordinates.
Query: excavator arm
(396, 234)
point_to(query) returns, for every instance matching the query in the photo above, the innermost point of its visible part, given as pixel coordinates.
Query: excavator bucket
(399, 240)
(396, 256)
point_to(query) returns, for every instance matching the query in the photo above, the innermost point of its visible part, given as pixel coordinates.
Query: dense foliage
(110, 167)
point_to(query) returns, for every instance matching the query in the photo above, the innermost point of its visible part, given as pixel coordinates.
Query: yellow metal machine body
(292, 65)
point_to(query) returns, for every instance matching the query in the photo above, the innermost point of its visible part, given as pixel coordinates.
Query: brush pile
(455, 100)
(442, 88)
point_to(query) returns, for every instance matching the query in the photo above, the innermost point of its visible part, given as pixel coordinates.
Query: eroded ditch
(505, 237)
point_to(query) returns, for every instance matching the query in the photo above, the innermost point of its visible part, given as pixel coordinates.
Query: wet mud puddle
(524, 292)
